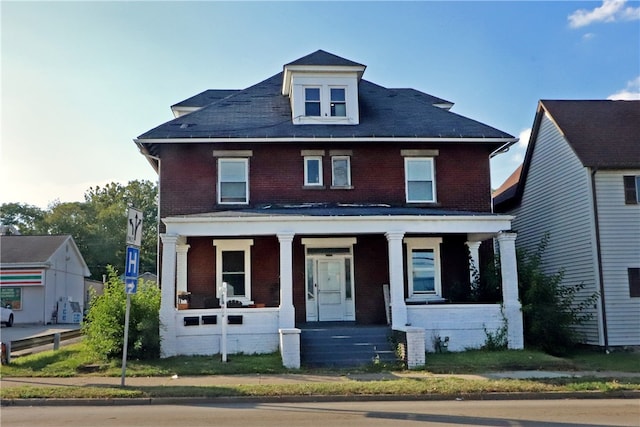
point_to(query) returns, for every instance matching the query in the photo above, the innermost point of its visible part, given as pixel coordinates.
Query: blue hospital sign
(131, 269)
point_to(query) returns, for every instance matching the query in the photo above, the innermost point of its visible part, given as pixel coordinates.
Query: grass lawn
(74, 360)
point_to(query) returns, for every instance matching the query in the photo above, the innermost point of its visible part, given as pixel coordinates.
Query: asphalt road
(544, 413)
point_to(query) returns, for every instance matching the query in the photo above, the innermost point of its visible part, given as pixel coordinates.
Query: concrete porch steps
(344, 344)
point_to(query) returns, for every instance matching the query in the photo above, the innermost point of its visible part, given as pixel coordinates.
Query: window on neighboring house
(313, 170)
(423, 267)
(338, 102)
(419, 175)
(634, 282)
(631, 189)
(312, 101)
(233, 181)
(233, 267)
(340, 171)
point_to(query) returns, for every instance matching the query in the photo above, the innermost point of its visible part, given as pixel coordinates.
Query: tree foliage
(104, 326)
(98, 225)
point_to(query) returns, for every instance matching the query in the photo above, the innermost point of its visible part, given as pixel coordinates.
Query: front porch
(292, 269)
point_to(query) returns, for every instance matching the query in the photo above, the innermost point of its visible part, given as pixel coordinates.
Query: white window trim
(325, 82)
(234, 245)
(406, 179)
(333, 176)
(304, 91)
(306, 172)
(246, 180)
(346, 100)
(432, 243)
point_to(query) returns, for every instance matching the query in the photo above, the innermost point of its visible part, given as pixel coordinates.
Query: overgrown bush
(104, 326)
(549, 306)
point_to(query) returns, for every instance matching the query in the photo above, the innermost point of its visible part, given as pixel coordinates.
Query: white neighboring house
(580, 182)
(38, 274)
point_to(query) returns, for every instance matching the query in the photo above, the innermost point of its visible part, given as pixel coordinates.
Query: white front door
(330, 289)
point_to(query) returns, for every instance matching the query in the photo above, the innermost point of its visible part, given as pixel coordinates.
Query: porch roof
(337, 209)
(330, 219)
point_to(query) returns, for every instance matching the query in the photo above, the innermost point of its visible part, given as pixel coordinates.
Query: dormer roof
(319, 62)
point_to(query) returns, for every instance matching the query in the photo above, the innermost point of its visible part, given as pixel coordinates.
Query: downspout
(599, 259)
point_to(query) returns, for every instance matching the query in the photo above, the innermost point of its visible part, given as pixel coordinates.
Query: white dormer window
(324, 100)
(338, 104)
(312, 101)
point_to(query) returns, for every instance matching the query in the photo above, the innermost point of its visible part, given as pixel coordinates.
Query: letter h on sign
(131, 269)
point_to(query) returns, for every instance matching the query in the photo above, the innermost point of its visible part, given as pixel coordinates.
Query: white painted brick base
(415, 356)
(290, 347)
(464, 324)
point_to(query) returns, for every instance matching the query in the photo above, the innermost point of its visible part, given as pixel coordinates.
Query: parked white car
(7, 316)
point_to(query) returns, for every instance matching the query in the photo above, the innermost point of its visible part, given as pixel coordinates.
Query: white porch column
(510, 300)
(396, 280)
(474, 262)
(181, 267)
(287, 311)
(168, 341)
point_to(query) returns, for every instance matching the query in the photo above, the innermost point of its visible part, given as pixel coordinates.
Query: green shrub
(104, 326)
(549, 307)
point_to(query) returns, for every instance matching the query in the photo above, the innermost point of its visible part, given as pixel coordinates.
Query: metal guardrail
(25, 344)
(28, 343)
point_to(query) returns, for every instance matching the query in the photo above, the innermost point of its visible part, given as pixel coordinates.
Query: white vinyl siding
(557, 200)
(620, 248)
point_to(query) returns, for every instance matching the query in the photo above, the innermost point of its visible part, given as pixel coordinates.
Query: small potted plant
(184, 298)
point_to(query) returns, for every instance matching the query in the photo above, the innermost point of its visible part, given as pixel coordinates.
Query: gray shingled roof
(261, 111)
(29, 249)
(206, 98)
(320, 57)
(603, 133)
(332, 209)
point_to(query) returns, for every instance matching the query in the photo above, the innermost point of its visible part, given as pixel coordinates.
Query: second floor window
(631, 189)
(313, 170)
(419, 177)
(340, 171)
(233, 181)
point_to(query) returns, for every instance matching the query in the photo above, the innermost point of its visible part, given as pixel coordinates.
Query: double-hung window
(419, 180)
(423, 267)
(233, 268)
(233, 181)
(313, 171)
(312, 101)
(340, 171)
(631, 189)
(338, 102)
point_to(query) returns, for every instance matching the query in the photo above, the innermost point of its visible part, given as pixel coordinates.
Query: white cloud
(629, 93)
(524, 138)
(610, 11)
(588, 36)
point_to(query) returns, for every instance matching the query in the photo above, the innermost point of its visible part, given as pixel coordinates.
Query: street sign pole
(126, 340)
(132, 264)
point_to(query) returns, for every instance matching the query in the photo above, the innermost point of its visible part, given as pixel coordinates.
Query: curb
(623, 394)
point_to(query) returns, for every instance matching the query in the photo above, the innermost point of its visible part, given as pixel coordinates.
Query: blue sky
(80, 80)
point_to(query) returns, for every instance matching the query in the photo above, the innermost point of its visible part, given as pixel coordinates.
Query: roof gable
(320, 57)
(603, 133)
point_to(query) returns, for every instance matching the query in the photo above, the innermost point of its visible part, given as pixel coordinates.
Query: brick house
(310, 191)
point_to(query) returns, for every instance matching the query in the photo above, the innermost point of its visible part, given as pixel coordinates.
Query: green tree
(104, 327)
(28, 219)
